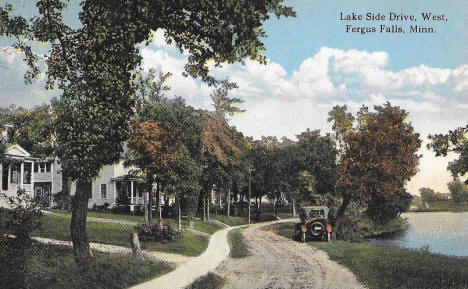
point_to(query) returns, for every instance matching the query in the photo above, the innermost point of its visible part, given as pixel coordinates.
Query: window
(27, 173)
(47, 167)
(15, 173)
(103, 191)
(140, 190)
(36, 167)
(5, 177)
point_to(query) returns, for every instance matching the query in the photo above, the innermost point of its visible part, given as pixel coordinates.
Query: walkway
(217, 251)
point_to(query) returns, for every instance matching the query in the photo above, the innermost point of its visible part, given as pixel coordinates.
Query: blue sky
(314, 65)
(316, 25)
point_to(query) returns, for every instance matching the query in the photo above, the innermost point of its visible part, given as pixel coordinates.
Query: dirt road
(277, 262)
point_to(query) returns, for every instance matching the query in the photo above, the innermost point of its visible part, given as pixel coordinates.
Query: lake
(440, 232)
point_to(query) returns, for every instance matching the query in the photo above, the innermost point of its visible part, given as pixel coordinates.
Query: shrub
(25, 215)
(157, 233)
(208, 281)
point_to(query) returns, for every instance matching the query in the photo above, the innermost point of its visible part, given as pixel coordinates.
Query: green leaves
(455, 141)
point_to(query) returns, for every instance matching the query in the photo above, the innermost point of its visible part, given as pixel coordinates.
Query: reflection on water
(440, 232)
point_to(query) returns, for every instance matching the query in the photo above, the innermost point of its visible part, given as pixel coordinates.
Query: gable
(17, 151)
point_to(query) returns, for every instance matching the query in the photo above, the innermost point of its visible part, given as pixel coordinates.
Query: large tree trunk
(81, 249)
(339, 215)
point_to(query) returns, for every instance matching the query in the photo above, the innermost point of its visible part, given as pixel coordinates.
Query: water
(440, 232)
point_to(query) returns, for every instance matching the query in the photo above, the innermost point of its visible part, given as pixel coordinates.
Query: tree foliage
(378, 154)
(455, 141)
(93, 66)
(458, 190)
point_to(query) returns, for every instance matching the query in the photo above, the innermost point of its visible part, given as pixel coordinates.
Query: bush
(209, 281)
(382, 209)
(25, 215)
(157, 233)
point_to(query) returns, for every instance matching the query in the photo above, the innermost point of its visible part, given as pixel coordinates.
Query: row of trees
(93, 64)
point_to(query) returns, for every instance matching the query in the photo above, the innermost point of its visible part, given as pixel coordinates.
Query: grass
(387, 267)
(58, 227)
(239, 248)
(209, 281)
(198, 225)
(48, 266)
(372, 229)
(190, 244)
(239, 221)
(440, 206)
(206, 227)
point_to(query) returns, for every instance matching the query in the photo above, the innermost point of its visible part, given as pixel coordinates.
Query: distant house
(112, 181)
(47, 178)
(16, 169)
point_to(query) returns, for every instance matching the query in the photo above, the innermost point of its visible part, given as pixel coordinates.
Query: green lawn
(440, 206)
(238, 221)
(383, 267)
(191, 244)
(53, 267)
(239, 248)
(198, 225)
(121, 217)
(58, 227)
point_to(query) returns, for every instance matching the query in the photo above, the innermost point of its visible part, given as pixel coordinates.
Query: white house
(16, 169)
(47, 178)
(112, 181)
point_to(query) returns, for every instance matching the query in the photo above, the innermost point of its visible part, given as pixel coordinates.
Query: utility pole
(250, 188)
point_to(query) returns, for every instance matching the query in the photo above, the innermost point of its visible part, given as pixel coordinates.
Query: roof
(16, 152)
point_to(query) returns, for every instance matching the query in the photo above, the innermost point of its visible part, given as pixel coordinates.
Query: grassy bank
(386, 267)
(238, 246)
(439, 206)
(48, 266)
(58, 227)
(372, 229)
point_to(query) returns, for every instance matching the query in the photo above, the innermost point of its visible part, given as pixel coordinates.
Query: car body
(314, 224)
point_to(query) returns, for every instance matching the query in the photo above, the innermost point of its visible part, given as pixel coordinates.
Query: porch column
(32, 176)
(115, 193)
(21, 175)
(131, 193)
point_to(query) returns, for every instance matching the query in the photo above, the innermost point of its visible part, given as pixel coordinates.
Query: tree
(222, 103)
(377, 156)
(183, 179)
(458, 190)
(428, 194)
(384, 208)
(455, 141)
(93, 63)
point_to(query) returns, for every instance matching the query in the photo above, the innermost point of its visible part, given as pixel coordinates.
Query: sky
(313, 64)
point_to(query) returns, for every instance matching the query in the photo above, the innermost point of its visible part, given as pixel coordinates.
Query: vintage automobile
(314, 224)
